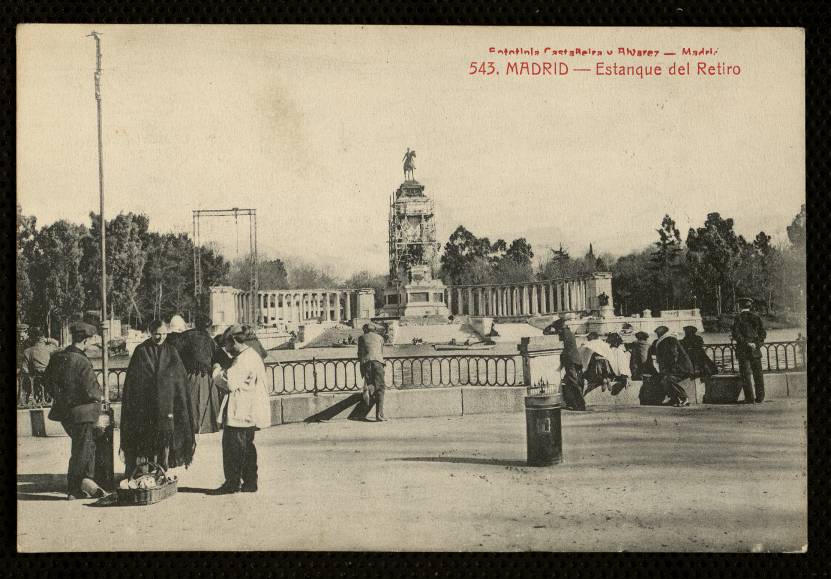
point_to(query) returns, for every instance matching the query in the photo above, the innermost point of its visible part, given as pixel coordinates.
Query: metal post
(108, 465)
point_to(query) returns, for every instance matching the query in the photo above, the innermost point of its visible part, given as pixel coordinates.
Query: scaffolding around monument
(412, 232)
(413, 249)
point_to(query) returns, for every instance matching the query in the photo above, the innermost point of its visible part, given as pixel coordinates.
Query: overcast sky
(309, 124)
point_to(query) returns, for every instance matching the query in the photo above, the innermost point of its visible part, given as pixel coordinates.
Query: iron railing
(776, 356)
(402, 372)
(343, 375)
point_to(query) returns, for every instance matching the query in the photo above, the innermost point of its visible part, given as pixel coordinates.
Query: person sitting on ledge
(639, 360)
(673, 365)
(703, 366)
(605, 364)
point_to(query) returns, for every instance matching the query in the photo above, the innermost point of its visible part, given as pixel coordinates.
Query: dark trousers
(573, 387)
(373, 372)
(239, 456)
(673, 389)
(82, 460)
(752, 368)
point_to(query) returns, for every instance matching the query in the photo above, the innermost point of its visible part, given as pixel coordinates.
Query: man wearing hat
(70, 380)
(673, 365)
(749, 334)
(245, 409)
(572, 366)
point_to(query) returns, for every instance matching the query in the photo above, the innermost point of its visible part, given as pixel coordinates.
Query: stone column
(348, 305)
(582, 293)
(449, 300)
(535, 294)
(470, 303)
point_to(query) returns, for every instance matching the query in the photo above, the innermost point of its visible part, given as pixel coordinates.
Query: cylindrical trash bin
(543, 432)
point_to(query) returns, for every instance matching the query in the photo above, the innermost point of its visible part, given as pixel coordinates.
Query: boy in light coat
(245, 409)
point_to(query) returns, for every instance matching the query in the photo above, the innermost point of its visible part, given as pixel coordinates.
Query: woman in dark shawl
(156, 420)
(196, 348)
(703, 366)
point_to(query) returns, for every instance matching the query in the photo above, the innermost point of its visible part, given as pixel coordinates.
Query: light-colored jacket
(247, 400)
(370, 347)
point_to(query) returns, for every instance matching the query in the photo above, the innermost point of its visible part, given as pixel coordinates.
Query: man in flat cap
(156, 420)
(749, 334)
(70, 380)
(245, 409)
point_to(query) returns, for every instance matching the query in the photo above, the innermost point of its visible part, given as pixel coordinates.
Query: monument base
(416, 300)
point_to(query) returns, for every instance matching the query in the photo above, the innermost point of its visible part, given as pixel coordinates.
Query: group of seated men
(609, 364)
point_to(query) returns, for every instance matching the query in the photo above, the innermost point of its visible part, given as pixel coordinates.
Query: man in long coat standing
(156, 420)
(749, 334)
(197, 348)
(70, 380)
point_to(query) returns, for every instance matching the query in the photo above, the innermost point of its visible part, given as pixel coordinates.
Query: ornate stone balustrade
(575, 294)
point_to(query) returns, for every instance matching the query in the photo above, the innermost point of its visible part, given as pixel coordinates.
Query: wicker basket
(148, 496)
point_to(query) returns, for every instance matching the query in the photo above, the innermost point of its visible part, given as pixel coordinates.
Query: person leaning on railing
(33, 365)
(371, 358)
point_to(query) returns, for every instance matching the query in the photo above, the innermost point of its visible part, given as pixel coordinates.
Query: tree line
(709, 269)
(150, 274)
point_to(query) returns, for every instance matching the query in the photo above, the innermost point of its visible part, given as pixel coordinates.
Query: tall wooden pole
(107, 464)
(102, 222)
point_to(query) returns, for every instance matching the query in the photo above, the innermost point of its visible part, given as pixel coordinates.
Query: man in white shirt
(245, 409)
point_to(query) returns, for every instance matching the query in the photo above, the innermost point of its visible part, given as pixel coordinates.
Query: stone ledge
(490, 399)
(427, 402)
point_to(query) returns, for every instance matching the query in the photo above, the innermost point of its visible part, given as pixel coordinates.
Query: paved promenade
(704, 478)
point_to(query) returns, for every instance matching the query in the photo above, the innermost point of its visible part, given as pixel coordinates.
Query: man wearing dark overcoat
(749, 334)
(156, 419)
(673, 365)
(77, 396)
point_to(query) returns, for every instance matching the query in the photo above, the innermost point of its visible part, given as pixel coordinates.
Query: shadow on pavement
(358, 413)
(28, 485)
(463, 460)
